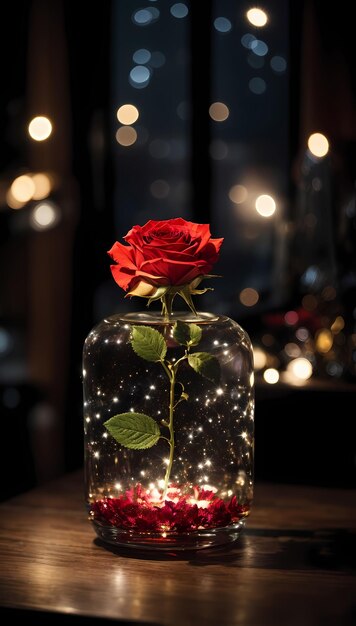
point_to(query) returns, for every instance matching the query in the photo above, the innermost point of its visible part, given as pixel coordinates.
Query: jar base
(196, 540)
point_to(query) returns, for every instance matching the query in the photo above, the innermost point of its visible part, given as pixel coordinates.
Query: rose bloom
(168, 252)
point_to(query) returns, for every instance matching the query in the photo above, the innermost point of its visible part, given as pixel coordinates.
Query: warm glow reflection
(126, 136)
(42, 186)
(127, 114)
(218, 112)
(40, 128)
(238, 194)
(44, 215)
(300, 368)
(271, 376)
(318, 145)
(249, 296)
(324, 340)
(265, 205)
(259, 358)
(257, 17)
(23, 188)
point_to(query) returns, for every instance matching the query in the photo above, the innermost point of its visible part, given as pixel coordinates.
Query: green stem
(171, 431)
(167, 301)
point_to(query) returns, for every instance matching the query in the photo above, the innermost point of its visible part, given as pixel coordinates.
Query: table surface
(294, 565)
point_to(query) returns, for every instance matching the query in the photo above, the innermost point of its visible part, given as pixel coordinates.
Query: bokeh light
(291, 318)
(259, 48)
(218, 149)
(271, 376)
(179, 10)
(126, 136)
(247, 40)
(259, 358)
(278, 64)
(127, 114)
(318, 145)
(324, 340)
(43, 186)
(40, 128)
(300, 368)
(265, 205)
(222, 25)
(257, 85)
(257, 17)
(160, 189)
(23, 188)
(44, 216)
(141, 56)
(238, 194)
(219, 112)
(249, 296)
(139, 76)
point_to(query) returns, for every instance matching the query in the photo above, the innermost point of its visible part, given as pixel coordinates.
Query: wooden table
(293, 566)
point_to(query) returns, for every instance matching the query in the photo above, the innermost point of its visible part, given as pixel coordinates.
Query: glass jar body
(193, 487)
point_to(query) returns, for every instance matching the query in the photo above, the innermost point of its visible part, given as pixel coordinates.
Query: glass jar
(168, 422)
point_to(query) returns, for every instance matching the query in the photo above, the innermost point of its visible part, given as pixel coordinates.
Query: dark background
(72, 62)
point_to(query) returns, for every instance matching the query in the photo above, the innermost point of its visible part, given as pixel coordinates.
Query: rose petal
(122, 254)
(143, 289)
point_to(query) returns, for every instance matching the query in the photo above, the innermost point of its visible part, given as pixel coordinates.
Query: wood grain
(294, 565)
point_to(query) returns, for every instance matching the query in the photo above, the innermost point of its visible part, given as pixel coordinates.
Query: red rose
(164, 253)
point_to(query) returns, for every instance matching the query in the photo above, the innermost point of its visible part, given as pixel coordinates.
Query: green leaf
(133, 430)
(186, 334)
(206, 365)
(195, 334)
(148, 343)
(181, 333)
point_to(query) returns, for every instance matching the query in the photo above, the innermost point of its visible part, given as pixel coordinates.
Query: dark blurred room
(115, 113)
